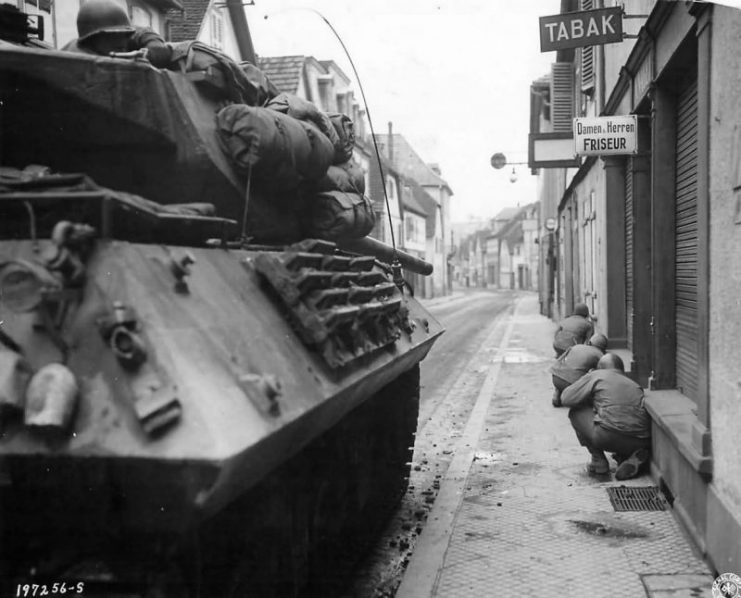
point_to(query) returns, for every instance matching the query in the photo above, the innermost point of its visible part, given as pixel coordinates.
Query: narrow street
(499, 491)
(452, 375)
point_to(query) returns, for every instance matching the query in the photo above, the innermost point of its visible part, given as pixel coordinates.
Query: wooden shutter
(686, 241)
(629, 251)
(587, 58)
(562, 96)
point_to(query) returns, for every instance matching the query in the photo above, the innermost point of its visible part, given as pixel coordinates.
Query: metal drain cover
(636, 498)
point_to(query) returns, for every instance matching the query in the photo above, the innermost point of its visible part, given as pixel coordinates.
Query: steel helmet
(581, 309)
(610, 361)
(102, 16)
(599, 340)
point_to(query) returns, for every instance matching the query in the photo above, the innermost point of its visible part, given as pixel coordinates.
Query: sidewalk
(518, 515)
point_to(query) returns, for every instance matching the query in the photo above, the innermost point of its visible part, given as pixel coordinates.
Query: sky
(453, 76)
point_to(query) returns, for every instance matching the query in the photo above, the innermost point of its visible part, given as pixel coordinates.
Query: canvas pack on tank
(182, 415)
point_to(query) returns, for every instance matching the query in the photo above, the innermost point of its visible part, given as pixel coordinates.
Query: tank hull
(108, 481)
(242, 414)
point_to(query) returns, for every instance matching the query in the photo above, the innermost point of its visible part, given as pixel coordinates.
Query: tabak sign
(605, 135)
(578, 29)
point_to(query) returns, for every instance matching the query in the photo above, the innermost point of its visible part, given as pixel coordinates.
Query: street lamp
(499, 161)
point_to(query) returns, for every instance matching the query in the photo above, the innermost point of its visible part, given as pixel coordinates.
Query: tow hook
(120, 332)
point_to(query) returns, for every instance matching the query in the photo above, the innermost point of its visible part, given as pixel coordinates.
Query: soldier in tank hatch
(573, 330)
(575, 362)
(608, 414)
(104, 28)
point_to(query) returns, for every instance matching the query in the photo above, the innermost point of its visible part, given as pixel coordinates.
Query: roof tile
(284, 71)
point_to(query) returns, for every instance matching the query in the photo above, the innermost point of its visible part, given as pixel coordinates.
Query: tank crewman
(575, 362)
(608, 414)
(103, 28)
(573, 330)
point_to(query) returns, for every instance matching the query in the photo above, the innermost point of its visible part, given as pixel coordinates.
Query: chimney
(391, 143)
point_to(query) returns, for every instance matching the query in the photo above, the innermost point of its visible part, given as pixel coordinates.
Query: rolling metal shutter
(685, 247)
(629, 251)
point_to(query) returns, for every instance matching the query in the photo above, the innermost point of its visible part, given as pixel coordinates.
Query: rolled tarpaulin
(304, 110)
(334, 215)
(281, 150)
(347, 177)
(346, 133)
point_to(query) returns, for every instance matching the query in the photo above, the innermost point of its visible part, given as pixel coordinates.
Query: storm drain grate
(636, 498)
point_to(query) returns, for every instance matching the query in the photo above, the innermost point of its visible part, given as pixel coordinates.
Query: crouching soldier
(608, 414)
(104, 28)
(574, 363)
(573, 330)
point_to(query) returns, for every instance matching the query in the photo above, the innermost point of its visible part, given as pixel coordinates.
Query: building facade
(410, 165)
(647, 241)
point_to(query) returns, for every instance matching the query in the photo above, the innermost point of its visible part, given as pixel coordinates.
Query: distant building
(414, 240)
(513, 248)
(409, 164)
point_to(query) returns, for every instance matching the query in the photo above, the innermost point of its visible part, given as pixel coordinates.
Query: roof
(507, 213)
(413, 200)
(284, 71)
(408, 162)
(430, 206)
(512, 230)
(542, 82)
(185, 24)
(332, 65)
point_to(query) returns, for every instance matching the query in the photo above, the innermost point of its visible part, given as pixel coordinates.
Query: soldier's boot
(631, 467)
(599, 465)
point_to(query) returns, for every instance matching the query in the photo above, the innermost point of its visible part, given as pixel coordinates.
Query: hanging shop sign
(579, 29)
(605, 135)
(551, 150)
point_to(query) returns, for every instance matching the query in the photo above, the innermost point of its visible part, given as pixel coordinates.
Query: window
(42, 5)
(140, 16)
(42, 10)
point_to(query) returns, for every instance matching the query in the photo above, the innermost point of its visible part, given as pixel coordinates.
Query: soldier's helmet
(610, 361)
(581, 309)
(599, 340)
(101, 16)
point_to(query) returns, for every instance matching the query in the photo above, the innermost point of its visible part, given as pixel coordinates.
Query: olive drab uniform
(572, 365)
(573, 330)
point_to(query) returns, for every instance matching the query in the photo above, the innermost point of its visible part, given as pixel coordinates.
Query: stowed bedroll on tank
(186, 405)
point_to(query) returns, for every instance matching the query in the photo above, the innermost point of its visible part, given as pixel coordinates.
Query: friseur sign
(578, 29)
(605, 135)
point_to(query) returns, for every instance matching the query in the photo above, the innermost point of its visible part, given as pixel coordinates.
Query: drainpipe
(242, 30)
(390, 143)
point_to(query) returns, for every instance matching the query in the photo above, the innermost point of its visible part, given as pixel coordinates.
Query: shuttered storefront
(629, 252)
(686, 241)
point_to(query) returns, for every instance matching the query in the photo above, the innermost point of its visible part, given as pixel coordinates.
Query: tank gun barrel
(385, 253)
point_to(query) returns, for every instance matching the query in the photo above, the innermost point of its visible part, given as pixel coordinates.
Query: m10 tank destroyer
(189, 405)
